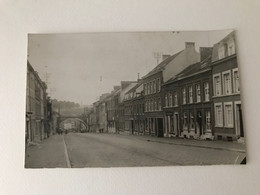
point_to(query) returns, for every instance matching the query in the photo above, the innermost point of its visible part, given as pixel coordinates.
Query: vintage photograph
(133, 99)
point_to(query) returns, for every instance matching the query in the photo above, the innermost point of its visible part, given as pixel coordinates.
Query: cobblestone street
(112, 150)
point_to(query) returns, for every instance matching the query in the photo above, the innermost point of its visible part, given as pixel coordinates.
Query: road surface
(110, 150)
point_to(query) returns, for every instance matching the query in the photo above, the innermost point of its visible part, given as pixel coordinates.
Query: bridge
(81, 118)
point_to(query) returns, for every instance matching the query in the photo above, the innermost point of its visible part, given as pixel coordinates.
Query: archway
(71, 124)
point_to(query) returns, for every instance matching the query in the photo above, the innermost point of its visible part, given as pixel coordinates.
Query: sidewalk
(50, 153)
(214, 144)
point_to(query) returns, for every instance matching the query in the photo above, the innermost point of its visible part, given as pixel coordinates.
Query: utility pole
(157, 56)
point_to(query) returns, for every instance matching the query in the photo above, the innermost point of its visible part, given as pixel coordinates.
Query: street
(112, 150)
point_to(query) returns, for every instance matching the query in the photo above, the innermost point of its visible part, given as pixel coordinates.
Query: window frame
(216, 115)
(215, 86)
(224, 83)
(234, 70)
(226, 125)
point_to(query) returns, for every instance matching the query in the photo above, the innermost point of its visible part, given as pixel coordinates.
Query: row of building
(189, 94)
(40, 120)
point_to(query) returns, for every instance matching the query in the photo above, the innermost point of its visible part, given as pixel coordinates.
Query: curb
(198, 146)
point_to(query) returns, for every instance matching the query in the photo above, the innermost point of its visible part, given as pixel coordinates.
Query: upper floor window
(226, 82)
(183, 96)
(154, 86)
(175, 99)
(151, 86)
(206, 91)
(159, 104)
(166, 100)
(236, 87)
(190, 95)
(144, 89)
(159, 85)
(198, 93)
(155, 105)
(217, 84)
(170, 99)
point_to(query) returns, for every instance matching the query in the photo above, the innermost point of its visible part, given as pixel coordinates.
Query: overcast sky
(76, 62)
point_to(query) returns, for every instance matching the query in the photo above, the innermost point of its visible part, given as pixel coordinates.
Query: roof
(135, 87)
(191, 70)
(218, 45)
(160, 66)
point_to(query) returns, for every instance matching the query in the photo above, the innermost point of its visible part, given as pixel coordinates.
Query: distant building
(134, 109)
(36, 106)
(228, 123)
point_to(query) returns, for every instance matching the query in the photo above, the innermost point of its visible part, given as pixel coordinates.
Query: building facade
(36, 106)
(187, 102)
(134, 110)
(152, 82)
(228, 123)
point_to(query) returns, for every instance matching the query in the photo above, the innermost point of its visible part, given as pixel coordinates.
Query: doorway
(239, 120)
(176, 124)
(160, 127)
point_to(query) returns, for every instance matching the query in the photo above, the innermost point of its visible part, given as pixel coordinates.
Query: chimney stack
(165, 56)
(205, 52)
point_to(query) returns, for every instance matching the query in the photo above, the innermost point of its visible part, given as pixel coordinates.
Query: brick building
(152, 82)
(187, 101)
(228, 123)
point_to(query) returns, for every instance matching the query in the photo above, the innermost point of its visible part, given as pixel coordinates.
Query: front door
(160, 127)
(176, 124)
(239, 122)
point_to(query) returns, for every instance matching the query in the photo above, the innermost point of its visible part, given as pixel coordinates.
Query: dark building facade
(187, 102)
(134, 110)
(152, 82)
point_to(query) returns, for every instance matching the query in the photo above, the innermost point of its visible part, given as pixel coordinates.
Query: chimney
(189, 45)
(165, 56)
(205, 52)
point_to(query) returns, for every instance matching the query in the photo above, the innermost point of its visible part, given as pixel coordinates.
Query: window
(185, 121)
(175, 99)
(218, 115)
(208, 120)
(231, 48)
(221, 52)
(166, 100)
(159, 85)
(183, 96)
(144, 89)
(192, 121)
(217, 84)
(190, 95)
(155, 105)
(228, 113)
(170, 99)
(148, 88)
(154, 86)
(151, 102)
(198, 92)
(206, 91)
(159, 104)
(226, 83)
(151, 87)
(236, 87)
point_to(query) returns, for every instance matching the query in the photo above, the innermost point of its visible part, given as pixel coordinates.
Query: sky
(82, 66)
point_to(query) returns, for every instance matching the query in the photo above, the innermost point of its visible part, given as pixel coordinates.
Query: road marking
(66, 153)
